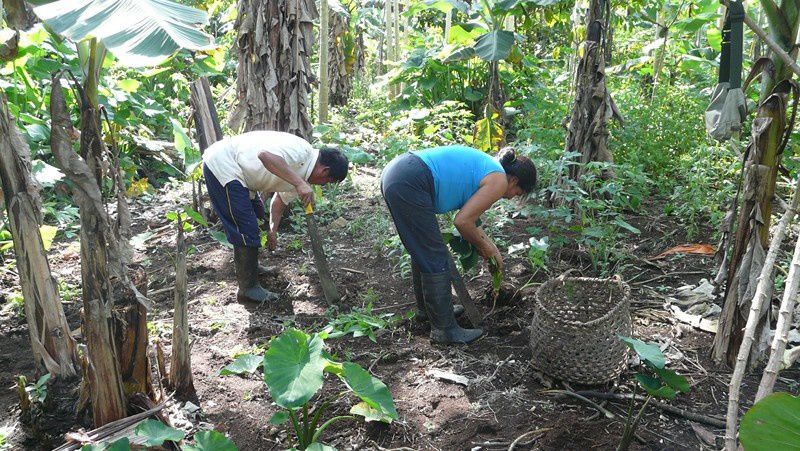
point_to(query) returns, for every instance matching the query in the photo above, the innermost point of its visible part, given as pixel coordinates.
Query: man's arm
(278, 166)
(276, 209)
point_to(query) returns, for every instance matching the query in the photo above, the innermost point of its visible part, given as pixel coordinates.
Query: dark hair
(336, 162)
(520, 167)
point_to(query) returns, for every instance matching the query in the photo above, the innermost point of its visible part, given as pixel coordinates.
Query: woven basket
(575, 325)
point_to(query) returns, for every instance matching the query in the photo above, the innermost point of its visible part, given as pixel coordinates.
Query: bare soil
(503, 400)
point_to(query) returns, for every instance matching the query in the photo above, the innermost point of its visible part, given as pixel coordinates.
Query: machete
(470, 309)
(325, 279)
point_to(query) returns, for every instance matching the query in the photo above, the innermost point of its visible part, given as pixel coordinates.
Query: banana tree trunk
(104, 380)
(19, 14)
(52, 345)
(587, 132)
(324, 39)
(180, 369)
(752, 235)
(274, 75)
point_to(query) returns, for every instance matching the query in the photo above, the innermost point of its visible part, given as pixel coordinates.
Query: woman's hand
(495, 260)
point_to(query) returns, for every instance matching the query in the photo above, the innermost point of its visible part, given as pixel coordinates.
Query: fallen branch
(107, 430)
(354, 271)
(602, 410)
(700, 418)
(519, 439)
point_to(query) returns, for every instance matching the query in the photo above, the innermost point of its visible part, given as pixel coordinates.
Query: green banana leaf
(140, 33)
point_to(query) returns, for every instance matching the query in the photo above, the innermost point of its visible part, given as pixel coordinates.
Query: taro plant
(153, 434)
(657, 381)
(294, 370)
(772, 423)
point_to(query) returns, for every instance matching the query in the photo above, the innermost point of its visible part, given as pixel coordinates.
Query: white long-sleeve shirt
(236, 158)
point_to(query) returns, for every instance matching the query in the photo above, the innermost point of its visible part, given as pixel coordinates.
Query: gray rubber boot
(439, 305)
(420, 314)
(250, 290)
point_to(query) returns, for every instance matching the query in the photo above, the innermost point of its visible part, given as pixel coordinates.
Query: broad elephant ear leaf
(140, 33)
(772, 423)
(293, 367)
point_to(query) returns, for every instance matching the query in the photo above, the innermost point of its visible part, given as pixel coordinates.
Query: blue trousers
(238, 213)
(408, 189)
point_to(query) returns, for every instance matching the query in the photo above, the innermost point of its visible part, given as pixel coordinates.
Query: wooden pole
(760, 299)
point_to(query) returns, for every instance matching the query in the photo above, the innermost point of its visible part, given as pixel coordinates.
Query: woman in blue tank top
(420, 184)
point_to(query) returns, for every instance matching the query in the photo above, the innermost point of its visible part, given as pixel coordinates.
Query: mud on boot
(250, 290)
(420, 314)
(439, 306)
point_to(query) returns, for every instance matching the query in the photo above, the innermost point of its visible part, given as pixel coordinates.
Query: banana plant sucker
(91, 54)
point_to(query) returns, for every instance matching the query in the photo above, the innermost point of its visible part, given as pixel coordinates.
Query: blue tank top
(457, 173)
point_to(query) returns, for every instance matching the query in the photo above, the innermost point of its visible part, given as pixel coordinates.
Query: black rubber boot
(420, 314)
(250, 290)
(439, 305)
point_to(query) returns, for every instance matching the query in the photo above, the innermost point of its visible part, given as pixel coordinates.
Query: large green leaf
(772, 424)
(210, 441)
(247, 363)
(371, 390)
(649, 353)
(654, 387)
(494, 45)
(293, 368)
(156, 433)
(138, 33)
(673, 379)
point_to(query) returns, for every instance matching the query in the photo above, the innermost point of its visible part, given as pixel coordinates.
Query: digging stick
(473, 314)
(325, 279)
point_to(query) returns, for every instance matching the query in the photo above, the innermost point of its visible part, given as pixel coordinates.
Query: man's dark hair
(336, 162)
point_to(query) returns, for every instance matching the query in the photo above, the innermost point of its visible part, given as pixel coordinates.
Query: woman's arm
(278, 166)
(491, 190)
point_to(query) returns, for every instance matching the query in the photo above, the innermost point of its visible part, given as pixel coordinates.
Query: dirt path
(503, 398)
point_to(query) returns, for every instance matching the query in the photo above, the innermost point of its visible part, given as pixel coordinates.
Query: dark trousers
(237, 212)
(408, 189)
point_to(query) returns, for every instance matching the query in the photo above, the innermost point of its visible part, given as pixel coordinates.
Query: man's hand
(272, 240)
(306, 193)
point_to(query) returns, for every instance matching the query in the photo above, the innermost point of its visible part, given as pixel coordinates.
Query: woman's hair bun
(507, 155)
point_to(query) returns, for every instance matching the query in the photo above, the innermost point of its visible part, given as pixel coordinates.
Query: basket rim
(626, 294)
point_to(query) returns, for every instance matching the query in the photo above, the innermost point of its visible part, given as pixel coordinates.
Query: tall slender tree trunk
(587, 132)
(765, 152)
(324, 39)
(396, 33)
(341, 71)
(52, 345)
(274, 74)
(448, 23)
(662, 32)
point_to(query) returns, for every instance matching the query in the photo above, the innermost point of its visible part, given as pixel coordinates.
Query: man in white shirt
(236, 169)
